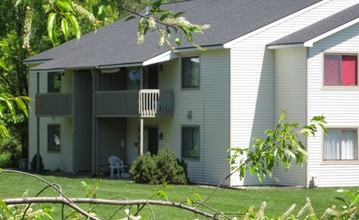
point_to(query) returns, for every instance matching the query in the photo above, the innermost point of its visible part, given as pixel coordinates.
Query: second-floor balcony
(146, 103)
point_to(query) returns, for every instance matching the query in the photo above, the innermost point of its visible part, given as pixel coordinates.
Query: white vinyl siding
(252, 77)
(340, 106)
(290, 96)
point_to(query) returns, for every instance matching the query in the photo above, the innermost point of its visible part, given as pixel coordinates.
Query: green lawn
(227, 200)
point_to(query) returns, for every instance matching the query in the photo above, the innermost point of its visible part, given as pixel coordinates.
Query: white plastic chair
(115, 165)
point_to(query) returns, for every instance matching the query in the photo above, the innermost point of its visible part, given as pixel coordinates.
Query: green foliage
(12, 110)
(279, 147)
(162, 168)
(169, 25)
(33, 163)
(10, 153)
(350, 209)
(143, 168)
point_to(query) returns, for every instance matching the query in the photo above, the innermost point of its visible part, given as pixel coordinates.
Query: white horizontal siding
(290, 96)
(340, 106)
(252, 75)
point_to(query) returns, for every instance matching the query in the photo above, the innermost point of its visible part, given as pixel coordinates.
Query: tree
(63, 19)
(280, 146)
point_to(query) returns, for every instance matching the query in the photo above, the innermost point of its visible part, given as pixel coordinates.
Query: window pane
(349, 70)
(53, 82)
(332, 145)
(190, 142)
(349, 145)
(331, 69)
(53, 138)
(190, 72)
(186, 142)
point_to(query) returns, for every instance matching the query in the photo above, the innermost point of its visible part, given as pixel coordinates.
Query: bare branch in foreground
(25, 200)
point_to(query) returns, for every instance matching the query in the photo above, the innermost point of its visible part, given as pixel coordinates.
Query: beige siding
(339, 105)
(52, 161)
(290, 95)
(252, 76)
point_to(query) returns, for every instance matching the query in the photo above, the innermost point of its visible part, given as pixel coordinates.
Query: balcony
(147, 103)
(53, 104)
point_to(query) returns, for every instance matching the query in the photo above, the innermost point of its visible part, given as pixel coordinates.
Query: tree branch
(61, 200)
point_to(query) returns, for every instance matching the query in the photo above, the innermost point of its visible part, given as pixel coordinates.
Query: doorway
(150, 140)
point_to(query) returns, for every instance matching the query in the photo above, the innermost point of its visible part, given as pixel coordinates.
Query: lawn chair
(116, 166)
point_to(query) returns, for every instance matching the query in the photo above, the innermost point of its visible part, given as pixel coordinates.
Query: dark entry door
(153, 76)
(152, 140)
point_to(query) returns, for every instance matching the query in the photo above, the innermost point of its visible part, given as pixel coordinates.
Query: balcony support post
(141, 136)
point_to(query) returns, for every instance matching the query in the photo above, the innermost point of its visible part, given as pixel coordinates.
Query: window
(341, 144)
(190, 142)
(53, 137)
(340, 70)
(190, 72)
(53, 82)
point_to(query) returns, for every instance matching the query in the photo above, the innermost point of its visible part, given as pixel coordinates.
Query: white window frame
(340, 159)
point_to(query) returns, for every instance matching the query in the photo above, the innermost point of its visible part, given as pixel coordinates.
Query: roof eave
(35, 62)
(283, 46)
(166, 56)
(231, 43)
(311, 42)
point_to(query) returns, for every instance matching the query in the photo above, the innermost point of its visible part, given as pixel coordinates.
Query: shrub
(159, 169)
(143, 168)
(34, 162)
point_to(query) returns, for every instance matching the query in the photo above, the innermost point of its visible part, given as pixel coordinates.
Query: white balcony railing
(155, 102)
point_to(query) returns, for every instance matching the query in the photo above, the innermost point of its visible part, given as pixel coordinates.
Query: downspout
(141, 119)
(37, 127)
(306, 166)
(93, 123)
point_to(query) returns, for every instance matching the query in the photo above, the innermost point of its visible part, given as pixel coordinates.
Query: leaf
(178, 14)
(156, 5)
(75, 27)
(178, 41)
(6, 209)
(162, 194)
(198, 196)
(65, 6)
(189, 201)
(130, 18)
(18, 2)
(3, 65)
(100, 10)
(50, 26)
(65, 27)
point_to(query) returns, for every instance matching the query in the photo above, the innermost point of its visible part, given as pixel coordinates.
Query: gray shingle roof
(116, 44)
(320, 27)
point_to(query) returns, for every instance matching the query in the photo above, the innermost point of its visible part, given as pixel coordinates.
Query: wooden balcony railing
(155, 102)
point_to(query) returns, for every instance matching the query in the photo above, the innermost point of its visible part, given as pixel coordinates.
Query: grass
(278, 200)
